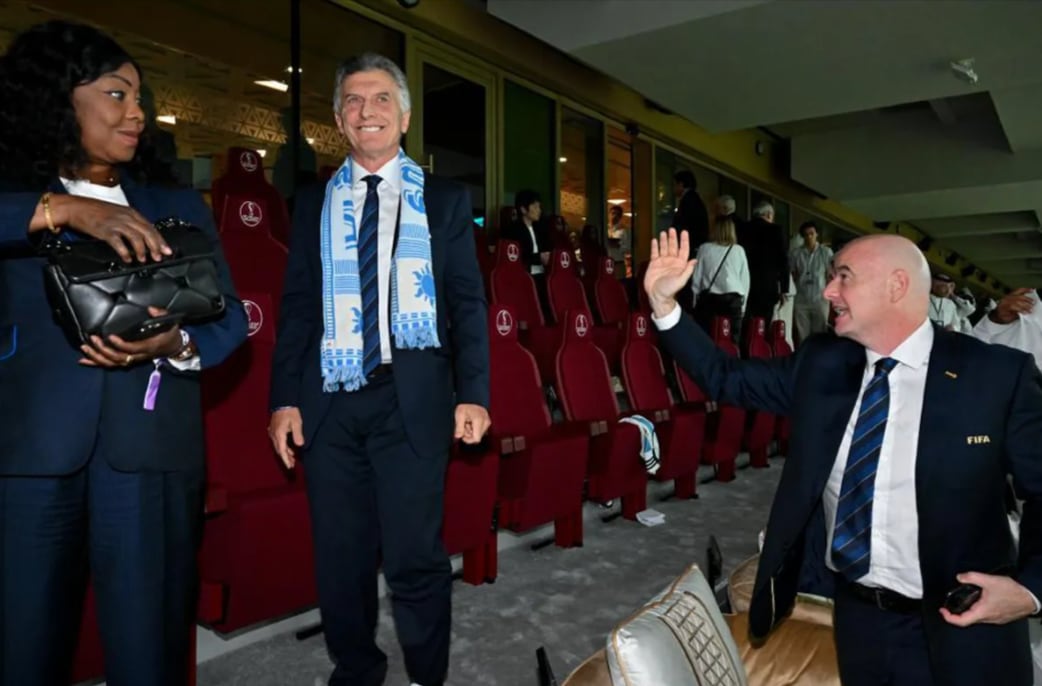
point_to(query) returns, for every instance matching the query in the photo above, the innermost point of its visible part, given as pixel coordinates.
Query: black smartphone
(962, 598)
(153, 326)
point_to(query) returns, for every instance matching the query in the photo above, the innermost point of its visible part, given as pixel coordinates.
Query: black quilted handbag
(94, 292)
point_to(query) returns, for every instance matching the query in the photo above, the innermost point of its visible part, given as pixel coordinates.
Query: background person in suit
(691, 216)
(88, 476)
(766, 247)
(902, 437)
(382, 333)
(535, 241)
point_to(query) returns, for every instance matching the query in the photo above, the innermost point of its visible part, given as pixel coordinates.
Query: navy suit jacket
(53, 411)
(428, 382)
(973, 390)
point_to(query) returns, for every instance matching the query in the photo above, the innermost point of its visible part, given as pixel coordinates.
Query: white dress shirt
(115, 195)
(536, 268)
(734, 271)
(811, 269)
(894, 559)
(389, 191)
(944, 313)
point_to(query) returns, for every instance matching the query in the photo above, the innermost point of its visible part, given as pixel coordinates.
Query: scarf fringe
(342, 378)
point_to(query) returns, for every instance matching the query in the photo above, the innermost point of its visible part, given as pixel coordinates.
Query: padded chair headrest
(778, 330)
(243, 212)
(639, 327)
(721, 329)
(578, 326)
(563, 261)
(260, 315)
(507, 216)
(508, 252)
(606, 267)
(502, 324)
(245, 162)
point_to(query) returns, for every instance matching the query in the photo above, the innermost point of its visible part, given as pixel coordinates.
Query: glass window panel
(582, 171)
(528, 153)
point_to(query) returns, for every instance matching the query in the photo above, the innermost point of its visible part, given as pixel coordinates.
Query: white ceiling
(861, 89)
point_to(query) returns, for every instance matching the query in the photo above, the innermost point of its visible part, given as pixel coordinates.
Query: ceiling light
(274, 85)
(289, 70)
(167, 119)
(563, 160)
(963, 70)
(262, 153)
(617, 201)
(310, 140)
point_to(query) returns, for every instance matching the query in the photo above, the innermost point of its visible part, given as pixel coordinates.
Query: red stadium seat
(244, 179)
(680, 430)
(512, 285)
(542, 465)
(566, 293)
(257, 512)
(760, 425)
(584, 388)
(609, 294)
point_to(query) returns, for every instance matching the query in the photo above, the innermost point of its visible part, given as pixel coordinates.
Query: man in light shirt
(810, 265)
(943, 311)
(902, 438)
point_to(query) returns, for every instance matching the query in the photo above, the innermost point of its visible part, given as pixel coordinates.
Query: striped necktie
(852, 536)
(368, 273)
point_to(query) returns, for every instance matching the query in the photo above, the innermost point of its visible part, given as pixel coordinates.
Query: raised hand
(668, 271)
(1011, 305)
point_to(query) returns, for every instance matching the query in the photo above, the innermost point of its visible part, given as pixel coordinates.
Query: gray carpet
(565, 600)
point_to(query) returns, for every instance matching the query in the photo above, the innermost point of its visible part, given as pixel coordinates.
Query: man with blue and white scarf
(381, 362)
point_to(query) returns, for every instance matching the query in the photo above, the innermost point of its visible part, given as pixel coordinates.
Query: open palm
(669, 269)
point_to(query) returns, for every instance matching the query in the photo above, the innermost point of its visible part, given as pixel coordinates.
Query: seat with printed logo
(781, 348)
(615, 468)
(257, 511)
(244, 199)
(512, 285)
(760, 425)
(566, 293)
(680, 430)
(725, 424)
(542, 465)
(469, 502)
(610, 295)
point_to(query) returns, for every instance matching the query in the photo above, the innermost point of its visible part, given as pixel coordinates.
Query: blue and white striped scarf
(414, 314)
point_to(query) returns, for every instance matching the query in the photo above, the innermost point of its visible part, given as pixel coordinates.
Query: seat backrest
(245, 212)
(779, 344)
(690, 391)
(244, 177)
(518, 406)
(512, 285)
(583, 380)
(257, 263)
(756, 339)
(610, 294)
(642, 369)
(563, 286)
(722, 336)
(643, 303)
(239, 455)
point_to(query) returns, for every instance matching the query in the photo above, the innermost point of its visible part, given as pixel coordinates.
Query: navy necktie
(852, 535)
(368, 275)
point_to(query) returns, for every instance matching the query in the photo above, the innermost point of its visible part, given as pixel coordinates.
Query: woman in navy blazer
(91, 475)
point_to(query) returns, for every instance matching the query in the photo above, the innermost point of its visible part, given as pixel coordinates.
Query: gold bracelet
(46, 202)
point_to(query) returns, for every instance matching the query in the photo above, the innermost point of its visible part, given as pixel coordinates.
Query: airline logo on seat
(250, 214)
(642, 326)
(582, 326)
(725, 327)
(761, 326)
(248, 161)
(609, 265)
(254, 315)
(513, 252)
(566, 260)
(504, 322)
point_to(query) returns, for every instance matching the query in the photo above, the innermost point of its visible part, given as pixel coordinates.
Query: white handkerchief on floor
(651, 517)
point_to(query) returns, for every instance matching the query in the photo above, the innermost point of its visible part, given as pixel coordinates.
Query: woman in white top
(720, 283)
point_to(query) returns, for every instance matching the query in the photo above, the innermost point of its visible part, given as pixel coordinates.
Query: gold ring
(130, 358)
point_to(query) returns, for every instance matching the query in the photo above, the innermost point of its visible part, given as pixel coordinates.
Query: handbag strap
(718, 268)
